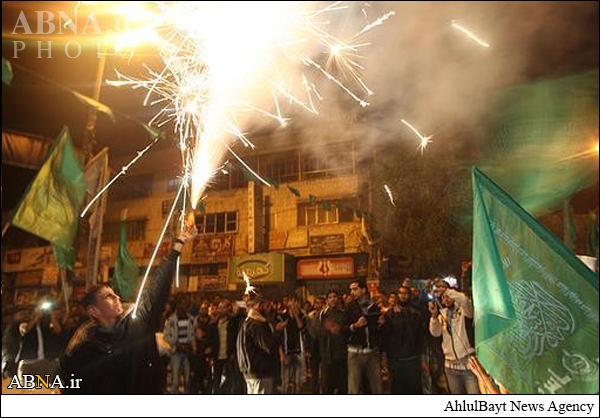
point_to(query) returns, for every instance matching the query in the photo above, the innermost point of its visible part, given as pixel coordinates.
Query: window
(346, 209)
(313, 167)
(316, 215)
(238, 179)
(328, 162)
(341, 210)
(238, 173)
(173, 184)
(217, 223)
(136, 231)
(283, 167)
(220, 181)
(231, 222)
(136, 187)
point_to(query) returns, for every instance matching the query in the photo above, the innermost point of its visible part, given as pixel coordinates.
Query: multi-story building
(303, 232)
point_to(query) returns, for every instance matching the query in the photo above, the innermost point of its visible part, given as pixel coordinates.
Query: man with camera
(451, 317)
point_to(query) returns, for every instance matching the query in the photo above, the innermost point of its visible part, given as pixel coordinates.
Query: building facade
(305, 233)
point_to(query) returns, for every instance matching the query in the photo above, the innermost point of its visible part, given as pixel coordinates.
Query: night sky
(418, 67)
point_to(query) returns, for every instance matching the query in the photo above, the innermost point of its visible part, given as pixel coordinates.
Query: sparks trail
(223, 59)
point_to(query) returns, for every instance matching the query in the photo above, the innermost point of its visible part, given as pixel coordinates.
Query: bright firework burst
(224, 59)
(390, 195)
(249, 288)
(425, 140)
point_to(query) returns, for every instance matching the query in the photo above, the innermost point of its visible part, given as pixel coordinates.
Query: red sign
(325, 268)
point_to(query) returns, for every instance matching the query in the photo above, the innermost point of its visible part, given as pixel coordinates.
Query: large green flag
(126, 271)
(541, 139)
(50, 207)
(536, 304)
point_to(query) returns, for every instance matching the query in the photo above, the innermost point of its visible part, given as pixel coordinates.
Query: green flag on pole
(50, 207)
(536, 304)
(64, 257)
(126, 271)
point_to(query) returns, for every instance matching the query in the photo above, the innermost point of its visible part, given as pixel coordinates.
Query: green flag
(569, 229)
(126, 271)
(64, 257)
(536, 304)
(539, 140)
(7, 73)
(50, 207)
(294, 191)
(592, 239)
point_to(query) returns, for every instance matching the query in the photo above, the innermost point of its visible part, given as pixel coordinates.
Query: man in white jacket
(451, 323)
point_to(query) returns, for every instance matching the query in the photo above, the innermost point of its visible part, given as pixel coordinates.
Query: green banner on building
(261, 268)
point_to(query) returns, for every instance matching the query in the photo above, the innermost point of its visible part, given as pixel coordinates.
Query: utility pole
(97, 218)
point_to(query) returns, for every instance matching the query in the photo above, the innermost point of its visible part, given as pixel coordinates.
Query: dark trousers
(315, 378)
(406, 376)
(226, 377)
(335, 377)
(200, 371)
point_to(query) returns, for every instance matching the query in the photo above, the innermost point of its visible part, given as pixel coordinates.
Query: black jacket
(233, 325)
(291, 338)
(124, 359)
(256, 348)
(332, 346)
(365, 337)
(403, 333)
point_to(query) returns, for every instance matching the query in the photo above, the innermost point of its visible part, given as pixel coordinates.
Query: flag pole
(96, 224)
(5, 228)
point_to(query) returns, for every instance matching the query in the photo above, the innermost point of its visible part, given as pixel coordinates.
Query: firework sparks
(584, 154)
(122, 172)
(425, 140)
(391, 196)
(249, 288)
(160, 238)
(181, 226)
(378, 22)
(223, 59)
(470, 34)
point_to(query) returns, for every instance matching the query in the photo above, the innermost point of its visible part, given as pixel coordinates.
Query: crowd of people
(412, 341)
